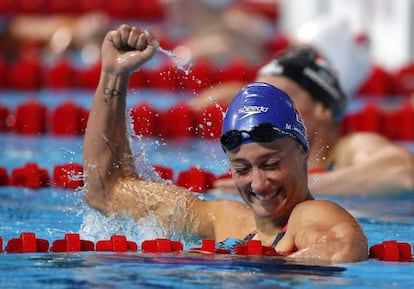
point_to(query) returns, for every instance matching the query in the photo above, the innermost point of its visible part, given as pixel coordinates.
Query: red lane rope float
(131, 9)
(69, 119)
(28, 243)
(68, 176)
(4, 114)
(4, 177)
(178, 121)
(72, 243)
(161, 246)
(63, 74)
(30, 68)
(195, 179)
(392, 251)
(164, 172)
(31, 118)
(60, 75)
(181, 120)
(395, 124)
(145, 120)
(117, 243)
(255, 247)
(30, 176)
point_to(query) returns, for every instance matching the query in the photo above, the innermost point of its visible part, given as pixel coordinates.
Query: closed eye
(272, 165)
(242, 170)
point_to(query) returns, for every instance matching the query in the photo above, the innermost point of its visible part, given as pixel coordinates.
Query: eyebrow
(278, 154)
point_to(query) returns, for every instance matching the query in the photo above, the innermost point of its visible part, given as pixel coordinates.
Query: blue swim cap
(261, 103)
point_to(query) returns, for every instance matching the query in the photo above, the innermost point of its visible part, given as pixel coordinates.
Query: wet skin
(271, 177)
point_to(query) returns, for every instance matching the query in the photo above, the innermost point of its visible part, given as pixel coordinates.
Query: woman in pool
(355, 164)
(265, 141)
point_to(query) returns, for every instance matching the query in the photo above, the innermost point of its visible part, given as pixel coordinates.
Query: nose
(259, 180)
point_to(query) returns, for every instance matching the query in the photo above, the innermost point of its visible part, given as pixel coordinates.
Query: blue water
(53, 212)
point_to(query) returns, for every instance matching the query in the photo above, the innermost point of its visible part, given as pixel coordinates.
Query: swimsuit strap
(250, 236)
(279, 235)
(328, 168)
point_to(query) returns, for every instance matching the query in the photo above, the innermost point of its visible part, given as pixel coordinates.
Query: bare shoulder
(362, 140)
(360, 146)
(319, 209)
(231, 218)
(229, 210)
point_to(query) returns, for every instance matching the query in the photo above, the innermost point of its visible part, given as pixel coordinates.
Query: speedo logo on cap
(249, 110)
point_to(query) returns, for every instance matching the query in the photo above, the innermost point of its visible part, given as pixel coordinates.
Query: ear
(303, 150)
(305, 158)
(322, 112)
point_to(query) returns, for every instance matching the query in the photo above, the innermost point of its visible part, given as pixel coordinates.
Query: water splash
(181, 63)
(96, 226)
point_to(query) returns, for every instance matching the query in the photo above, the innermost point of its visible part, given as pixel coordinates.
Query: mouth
(265, 197)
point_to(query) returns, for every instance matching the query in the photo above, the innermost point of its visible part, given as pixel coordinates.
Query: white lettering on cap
(323, 80)
(249, 110)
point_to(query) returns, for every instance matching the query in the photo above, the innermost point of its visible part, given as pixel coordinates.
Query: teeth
(266, 197)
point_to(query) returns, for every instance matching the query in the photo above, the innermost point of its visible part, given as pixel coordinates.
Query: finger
(151, 40)
(142, 42)
(133, 37)
(124, 31)
(114, 37)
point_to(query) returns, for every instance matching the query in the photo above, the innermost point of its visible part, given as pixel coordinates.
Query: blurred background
(49, 46)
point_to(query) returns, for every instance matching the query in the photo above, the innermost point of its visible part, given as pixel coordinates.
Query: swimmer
(266, 144)
(357, 163)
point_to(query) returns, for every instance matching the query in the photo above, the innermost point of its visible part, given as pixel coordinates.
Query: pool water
(52, 212)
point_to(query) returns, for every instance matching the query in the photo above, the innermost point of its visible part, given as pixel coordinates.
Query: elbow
(410, 176)
(354, 248)
(96, 201)
(399, 171)
(406, 179)
(356, 251)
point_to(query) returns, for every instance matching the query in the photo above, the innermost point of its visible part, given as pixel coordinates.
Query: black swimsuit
(279, 236)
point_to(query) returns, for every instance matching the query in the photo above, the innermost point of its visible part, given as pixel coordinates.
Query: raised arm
(112, 184)
(107, 156)
(366, 163)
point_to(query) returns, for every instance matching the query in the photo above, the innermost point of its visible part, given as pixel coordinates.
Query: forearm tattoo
(111, 93)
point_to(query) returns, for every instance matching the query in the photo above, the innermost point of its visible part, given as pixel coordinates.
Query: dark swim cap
(312, 73)
(260, 103)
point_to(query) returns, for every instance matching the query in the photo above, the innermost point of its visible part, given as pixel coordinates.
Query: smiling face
(270, 177)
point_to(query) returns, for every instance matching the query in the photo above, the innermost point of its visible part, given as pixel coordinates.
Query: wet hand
(125, 49)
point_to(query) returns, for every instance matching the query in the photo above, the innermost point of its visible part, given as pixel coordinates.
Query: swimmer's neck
(268, 228)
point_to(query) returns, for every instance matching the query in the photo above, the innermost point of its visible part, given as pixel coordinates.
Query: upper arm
(174, 207)
(323, 228)
(177, 209)
(367, 163)
(321, 217)
(360, 148)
